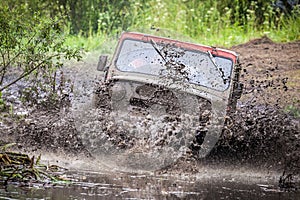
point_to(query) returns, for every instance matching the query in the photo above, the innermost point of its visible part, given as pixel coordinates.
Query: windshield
(169, 61)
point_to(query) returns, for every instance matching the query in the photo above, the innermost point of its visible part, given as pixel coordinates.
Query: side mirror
(102, 62)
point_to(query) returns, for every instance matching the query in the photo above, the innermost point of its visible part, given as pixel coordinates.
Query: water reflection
(89, 185)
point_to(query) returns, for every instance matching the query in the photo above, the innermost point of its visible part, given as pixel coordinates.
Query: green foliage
(289, 27)
(2, 103)
(220, 23)
(293, 110)
(86, 43)
(30, 44)
(90, 16)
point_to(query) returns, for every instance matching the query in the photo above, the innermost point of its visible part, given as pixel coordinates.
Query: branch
(3, 70)
(5, 65)
(26, 73)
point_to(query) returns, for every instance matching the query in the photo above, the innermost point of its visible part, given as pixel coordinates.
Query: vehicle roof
(186, 45)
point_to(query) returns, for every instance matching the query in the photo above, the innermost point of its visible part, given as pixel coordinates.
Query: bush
(31, 44)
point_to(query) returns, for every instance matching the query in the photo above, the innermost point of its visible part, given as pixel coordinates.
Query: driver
(136, 63)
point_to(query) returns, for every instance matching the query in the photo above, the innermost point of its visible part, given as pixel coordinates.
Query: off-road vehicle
(162, 79)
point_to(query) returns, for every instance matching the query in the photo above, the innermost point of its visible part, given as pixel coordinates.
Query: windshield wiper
(155, 46)
(212, 59)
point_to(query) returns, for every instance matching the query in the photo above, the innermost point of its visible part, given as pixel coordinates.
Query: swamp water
(212, 184)
(100, 179)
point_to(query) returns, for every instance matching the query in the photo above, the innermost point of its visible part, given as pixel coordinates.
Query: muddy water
(209, 185)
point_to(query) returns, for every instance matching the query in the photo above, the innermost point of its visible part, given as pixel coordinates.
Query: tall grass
(218, 23)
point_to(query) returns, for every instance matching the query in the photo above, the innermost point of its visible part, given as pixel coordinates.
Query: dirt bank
(273, 69)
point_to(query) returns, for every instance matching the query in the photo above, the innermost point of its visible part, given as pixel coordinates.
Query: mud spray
(260, 143)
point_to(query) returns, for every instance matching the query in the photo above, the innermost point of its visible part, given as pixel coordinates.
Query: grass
(92, 42)
(205, 22)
